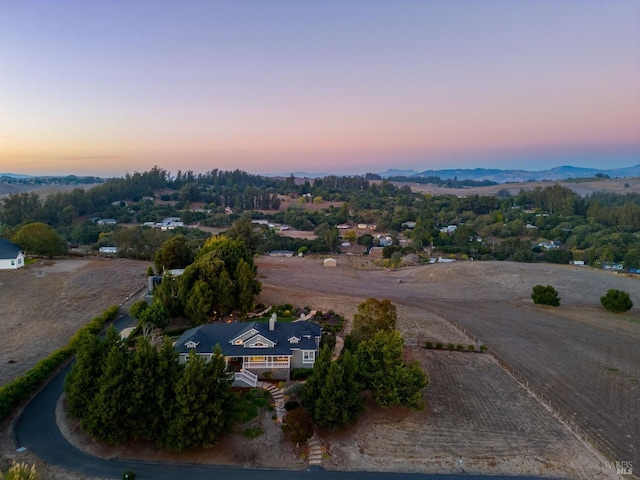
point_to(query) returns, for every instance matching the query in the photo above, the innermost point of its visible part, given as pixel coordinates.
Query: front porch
(260, 362)
(248, 369)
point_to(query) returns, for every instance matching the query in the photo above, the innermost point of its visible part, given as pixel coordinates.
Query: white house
(11, 257)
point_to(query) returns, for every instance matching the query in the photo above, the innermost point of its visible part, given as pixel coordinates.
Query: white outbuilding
(330, 262)
(11, 257)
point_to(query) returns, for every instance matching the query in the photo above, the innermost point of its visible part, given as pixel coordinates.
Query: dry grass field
(581, 188)
(43, 305)
(581, 357)
(478, 417)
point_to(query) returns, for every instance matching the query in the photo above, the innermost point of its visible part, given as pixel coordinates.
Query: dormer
(191, 344)
(243, 337)
(259, 341)
(293, 339)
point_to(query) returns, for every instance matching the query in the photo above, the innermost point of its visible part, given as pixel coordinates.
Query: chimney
(272, 322)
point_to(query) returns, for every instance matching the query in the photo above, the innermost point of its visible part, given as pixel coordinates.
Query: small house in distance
(11, 257)
(330, 262)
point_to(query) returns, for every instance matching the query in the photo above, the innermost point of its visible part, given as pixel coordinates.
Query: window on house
(308, 356)
(13, 262)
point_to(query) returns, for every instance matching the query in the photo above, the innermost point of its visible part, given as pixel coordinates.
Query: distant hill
(14, 175)
(510, 176)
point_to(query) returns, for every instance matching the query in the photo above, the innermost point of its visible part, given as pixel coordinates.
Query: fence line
(580, 431)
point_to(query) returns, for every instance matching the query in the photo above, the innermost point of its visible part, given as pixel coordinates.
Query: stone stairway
(278, 398)
(315, 451)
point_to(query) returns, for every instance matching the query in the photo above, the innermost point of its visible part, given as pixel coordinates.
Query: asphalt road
(37, 431)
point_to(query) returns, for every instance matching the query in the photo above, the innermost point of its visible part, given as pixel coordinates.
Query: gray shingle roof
(8, 250)
(208, 336)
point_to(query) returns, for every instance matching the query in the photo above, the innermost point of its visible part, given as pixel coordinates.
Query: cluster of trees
(145, 394)
(221, 279)
(614, 300)
(599, 228)
(371, 362)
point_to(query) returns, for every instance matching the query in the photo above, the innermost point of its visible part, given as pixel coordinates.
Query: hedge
(17, 391)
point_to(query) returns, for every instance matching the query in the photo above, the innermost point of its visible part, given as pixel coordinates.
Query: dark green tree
(384, 373)
(199, 304)
(166, 376)
(174, 253)
(155, 316)
(312, 387)
(137, 309)
(204, 403)
(243, 229)
(548, 295)
(616, 301)
(339, 403)
(247, 286)
(169, 293)
(40, 239)
(107, 418)
(144, 421)
(82, 382)
(557, 256)
(373, 316)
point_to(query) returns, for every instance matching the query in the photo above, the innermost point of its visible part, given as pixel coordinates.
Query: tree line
(119, 394)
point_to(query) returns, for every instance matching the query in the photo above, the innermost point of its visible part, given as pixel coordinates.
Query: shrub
(460, 347)
(291, 405)
(548, 295)
(21, 471)
(428, 345)
(261, 402)
(451, 346)
(439, 345)
(483, 348)
(472, 348)
(616, 301)
(301, 373)
(298, 425)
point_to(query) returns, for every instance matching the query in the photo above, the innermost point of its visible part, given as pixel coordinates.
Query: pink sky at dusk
(104, 88)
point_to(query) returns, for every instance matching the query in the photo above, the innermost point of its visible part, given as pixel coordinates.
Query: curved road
(37, 431)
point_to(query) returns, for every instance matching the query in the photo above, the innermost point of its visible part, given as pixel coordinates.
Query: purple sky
(342, 86)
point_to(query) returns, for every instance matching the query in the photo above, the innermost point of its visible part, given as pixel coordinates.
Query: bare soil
(478, 418)
(44, 304)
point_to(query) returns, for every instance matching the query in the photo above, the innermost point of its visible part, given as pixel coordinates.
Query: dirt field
(583, 189)
(43, 305)
(582, 357)
(478, 417)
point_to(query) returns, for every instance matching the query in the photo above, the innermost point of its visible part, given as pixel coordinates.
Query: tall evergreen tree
(339, 402)
(83, 381)
(107, 418)
(142, 408)
(313, 386)
(383, 371)
(247, 286)
(204, 403)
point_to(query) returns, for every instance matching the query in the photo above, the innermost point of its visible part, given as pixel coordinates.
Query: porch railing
(266, 364)
(247, 377)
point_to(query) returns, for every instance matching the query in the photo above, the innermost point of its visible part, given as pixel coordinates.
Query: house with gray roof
(11, 256)
(253, 348)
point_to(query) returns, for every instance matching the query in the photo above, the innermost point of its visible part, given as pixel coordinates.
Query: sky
(107, 87)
